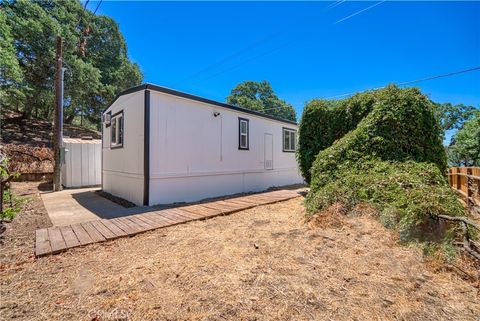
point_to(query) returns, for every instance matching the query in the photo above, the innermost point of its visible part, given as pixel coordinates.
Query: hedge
(393, 158)
(325, 121)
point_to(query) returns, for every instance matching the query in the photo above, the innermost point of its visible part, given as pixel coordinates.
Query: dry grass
(260, 264)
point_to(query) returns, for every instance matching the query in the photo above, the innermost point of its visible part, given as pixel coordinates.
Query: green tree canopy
(10, 72)
(464, 150)
(94, 55)
(453, 116)
(259, 96)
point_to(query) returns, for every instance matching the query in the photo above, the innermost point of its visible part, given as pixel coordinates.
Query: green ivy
(387, 152)
(325, 121)
(392, 123)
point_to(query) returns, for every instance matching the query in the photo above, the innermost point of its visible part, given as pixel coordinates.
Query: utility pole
(58, 119)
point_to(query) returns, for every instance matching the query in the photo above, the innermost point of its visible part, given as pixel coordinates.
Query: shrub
(393, 160)
(6, 175)
(408, 196)
(325, 121)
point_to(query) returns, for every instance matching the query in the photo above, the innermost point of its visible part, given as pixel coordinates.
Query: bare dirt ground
(264, 263)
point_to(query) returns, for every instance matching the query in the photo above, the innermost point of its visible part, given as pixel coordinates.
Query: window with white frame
(289, 139)
(116, 129)
(242, 133)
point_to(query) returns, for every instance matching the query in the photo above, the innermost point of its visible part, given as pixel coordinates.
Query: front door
(268, 143)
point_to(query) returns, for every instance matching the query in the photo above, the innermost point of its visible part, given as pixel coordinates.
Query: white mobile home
(162, 146)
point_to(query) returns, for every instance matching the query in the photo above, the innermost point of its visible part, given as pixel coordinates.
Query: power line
(292, 41)
(247, 61)
(255, 44)
(440, 76)
(405, 83)
(336, 3)
(86, 31)
(234, 55)
(83, 12)
(414, 81)
(98, 5)
(359, 12)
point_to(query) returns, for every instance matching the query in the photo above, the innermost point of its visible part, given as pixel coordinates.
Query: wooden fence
(466, 182)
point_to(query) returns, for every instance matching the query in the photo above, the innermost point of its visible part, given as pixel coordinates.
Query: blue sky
(206, 48)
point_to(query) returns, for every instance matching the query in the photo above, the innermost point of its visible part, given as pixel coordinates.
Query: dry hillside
(34, 132)
(28, 142)
(263, 263)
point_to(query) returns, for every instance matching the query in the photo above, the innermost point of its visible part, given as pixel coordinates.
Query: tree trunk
(69, 118)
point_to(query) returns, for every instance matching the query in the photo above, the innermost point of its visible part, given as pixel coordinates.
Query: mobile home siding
(123, 167)
(194, 155)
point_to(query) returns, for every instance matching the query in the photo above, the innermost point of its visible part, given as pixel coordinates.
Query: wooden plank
(160, 221)
(145, 226)
(127, 228)
(114, 228)
(251, 199)
(263, 200)
(56, 240)
(466, 175)
(134, 226)
(188, 215)
(246, 205)
(69, 236)
(257, 197)
(164, 216)
(202, 210)
(81, 234)
(279, 196)
(459, 186)
(151, 223)
(173, 220)
(42, 242)
(92, 231)
(144, 217)
(230, 206)
(243, 200)
(192, 211)
(288, 195)
(174, 215)
(210, 211)
(215, 206)
(226, 205)
(183, 216)
(106, 233)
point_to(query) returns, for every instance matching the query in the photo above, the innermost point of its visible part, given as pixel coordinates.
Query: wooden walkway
(58, 239)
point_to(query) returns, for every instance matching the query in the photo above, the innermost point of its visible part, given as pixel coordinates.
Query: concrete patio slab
(73, 206)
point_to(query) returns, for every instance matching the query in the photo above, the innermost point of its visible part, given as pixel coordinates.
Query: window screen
(242, 133)
(289, 139)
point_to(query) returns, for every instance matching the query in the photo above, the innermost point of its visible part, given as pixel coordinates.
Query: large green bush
(325, 121)
(407, 195)
(393, 160)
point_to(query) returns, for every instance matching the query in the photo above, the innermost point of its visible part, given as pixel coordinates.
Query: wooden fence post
(469, 187)
(450, 177)
(459, 179)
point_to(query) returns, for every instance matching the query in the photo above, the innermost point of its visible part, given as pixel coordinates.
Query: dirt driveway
(260, 264)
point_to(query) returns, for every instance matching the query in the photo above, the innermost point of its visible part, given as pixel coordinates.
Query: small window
(242, 133)
(117, 130)
(289, 140)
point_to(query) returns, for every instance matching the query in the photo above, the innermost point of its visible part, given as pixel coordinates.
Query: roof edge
(177, 93)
